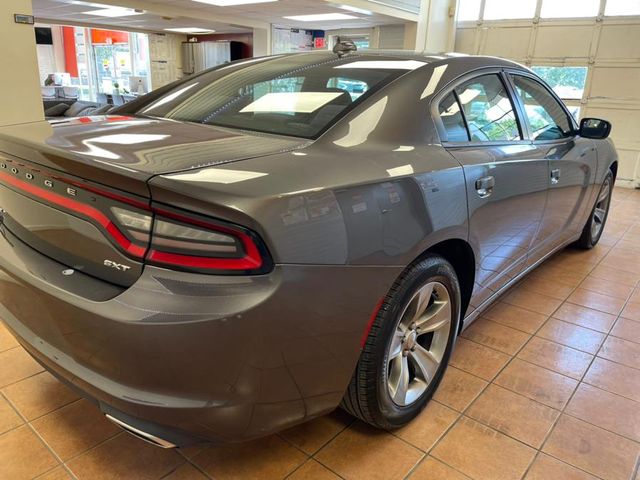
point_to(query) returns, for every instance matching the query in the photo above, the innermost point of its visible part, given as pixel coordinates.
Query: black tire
(368, 396)
(590, 234)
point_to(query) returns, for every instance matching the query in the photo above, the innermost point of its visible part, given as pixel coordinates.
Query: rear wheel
(408, 347)
(595, 225)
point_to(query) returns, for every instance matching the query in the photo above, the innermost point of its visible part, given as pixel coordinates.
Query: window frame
(451, 86)
(509, 74)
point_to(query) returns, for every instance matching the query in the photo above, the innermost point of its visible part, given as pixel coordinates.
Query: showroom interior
(543, 385)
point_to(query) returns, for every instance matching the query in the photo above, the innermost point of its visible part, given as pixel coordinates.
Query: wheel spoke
(599, 214)
(604, 194)
(425, 362)
(418, 304)
(396, 344)
(399, 379)
(437, 317)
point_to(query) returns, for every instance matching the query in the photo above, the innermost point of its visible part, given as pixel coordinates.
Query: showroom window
(469, 10)
(622, 7)
(509, 9)
(567, 82)
(569, 8)
(452, 119)
(488, 110)
(547, 118)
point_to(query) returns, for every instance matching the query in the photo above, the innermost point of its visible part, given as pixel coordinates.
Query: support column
(436, 26)
(261, 41)
(20, 80)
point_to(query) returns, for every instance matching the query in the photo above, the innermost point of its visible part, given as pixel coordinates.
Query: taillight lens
(192, 244)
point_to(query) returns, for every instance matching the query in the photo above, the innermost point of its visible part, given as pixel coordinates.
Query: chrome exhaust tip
(147, 437)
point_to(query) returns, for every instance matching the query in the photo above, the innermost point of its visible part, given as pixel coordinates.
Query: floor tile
(38, 395)
(532, 301)
(363, 452)
(313, 435)
(312, 470)
(553, 273)
(607, 287)
(585, 317)
(265, 458)
(23, 455)
(593, 449)
(426, 429)
(186, 471)
(483, 453)
(556, 290)
(513, 415)
(477, 359)
(491, 334)
(635, 296)
(549, 468)
(432, 469)
(627, 329)
(16, 365)
(597, 301)
(606, 410)
(58, 473)
(614, 377)
(458, 389)
(9, 419)
(7, 340)
(615, 275)
(559, 358)
(571, 335)
(632, 311)
(621, 351)
(125, 457)
(515, 317)
(75, 428)
(537, 383)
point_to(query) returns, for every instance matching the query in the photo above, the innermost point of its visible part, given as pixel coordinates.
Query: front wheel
(408, 347)
(595, 225)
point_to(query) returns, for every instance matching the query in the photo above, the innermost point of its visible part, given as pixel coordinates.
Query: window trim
(451, 86)
(510, 73)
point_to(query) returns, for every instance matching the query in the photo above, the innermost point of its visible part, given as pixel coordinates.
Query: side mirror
(594, 128)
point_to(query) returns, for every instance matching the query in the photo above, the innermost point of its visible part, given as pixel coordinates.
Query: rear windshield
(299, 95)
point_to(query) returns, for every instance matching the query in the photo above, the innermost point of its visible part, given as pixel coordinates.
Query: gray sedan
(252, 246)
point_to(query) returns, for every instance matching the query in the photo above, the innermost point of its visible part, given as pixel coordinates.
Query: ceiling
(161, 14)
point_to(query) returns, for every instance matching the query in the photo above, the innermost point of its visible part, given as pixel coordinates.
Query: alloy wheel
(419, 343)
(600, 210)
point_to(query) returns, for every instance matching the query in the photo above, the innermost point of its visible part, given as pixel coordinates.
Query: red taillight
(162, 237)
(194, 244)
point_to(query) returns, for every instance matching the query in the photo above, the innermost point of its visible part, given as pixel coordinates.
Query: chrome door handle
(555, 175)
(484, 186)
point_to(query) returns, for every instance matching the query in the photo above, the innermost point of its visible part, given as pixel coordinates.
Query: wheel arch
(460, 255)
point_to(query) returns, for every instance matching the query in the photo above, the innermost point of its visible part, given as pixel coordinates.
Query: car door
(506, 181)
(572, 163)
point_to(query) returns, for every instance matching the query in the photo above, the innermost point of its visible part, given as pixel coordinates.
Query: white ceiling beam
(379, 9)
(205, 12)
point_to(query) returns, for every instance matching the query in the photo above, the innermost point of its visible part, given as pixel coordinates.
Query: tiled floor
(545, 386)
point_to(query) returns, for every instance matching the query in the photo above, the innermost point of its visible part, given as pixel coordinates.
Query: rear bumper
(191, 357)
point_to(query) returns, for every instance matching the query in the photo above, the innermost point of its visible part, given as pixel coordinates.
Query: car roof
(430, 59)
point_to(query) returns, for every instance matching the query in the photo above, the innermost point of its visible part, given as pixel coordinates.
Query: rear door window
(488, 110)
(452, 119)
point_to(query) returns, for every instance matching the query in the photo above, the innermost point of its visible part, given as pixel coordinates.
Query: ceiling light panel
(233, 3)
(114, 12)
(192, 30)
(321, 17)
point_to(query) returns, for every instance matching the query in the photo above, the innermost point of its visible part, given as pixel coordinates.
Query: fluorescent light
(349, 8)
(321, 17)
(385, 64)
(114, 12)
(291, 102)
(230, 3)
(193, 30)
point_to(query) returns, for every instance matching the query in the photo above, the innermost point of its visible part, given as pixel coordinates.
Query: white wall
(19, 82)
(608, 46)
